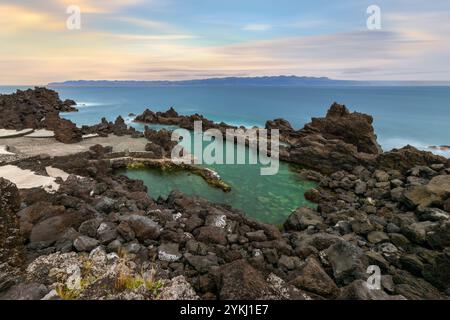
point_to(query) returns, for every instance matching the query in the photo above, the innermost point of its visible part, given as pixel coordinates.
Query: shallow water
(266, 198)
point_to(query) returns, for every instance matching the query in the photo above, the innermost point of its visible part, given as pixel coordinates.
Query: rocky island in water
(72, 228)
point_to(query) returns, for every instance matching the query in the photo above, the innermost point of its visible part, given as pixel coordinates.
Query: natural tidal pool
(269, 198)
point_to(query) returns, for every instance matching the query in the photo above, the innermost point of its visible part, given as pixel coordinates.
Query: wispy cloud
(127, 39)
(100, 6)
(148, 37)
(15, 18)
(256, 27)
(308, 23)
(146, 23)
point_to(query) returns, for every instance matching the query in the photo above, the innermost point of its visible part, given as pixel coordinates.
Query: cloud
(16, 18)
(308, 24)
(146, 23)
(99, 6)
(364, 55)
(411, 46)
(256, 27)
(146, 37)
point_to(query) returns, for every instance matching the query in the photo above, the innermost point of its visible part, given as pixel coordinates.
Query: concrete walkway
(41, 134)
(5, 133)
(27, 179)
(33, 147)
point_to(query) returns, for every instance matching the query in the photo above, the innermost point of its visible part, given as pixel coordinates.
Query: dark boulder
(313, 278)
(348, 262)
(238, 280)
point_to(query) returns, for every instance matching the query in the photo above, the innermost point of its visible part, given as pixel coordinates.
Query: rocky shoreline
(100, 236)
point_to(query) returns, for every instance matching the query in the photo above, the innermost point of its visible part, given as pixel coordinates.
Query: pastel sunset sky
(191, 39)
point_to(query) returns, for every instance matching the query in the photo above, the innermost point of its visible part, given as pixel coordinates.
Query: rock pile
(398, 221)
(26, 109)
(368, 216)
(105, 127)
(341, 140)
(171, 117)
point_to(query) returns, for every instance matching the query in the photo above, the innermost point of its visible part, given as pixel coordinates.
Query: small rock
(417, 232)
(392, 228)
(397, 194)
(432, 214)
(213, 235)
(377, 237)
(132, 247)
(396, 183)
(105, 205)
(313, 278)
(257, 236)
(144, 227)
(412, 264)
(381, 176)
(125, 230)
(107, 232)
(286, 262)
(114, 246)
(360, 187)
(398, 239)
(84, 243)
(169, 252)
(202, 263)
(25, 291)
(89, 227)
(216, 220)
(302, 218)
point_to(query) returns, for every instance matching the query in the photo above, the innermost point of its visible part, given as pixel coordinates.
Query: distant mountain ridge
(242, 81)
(267, 80)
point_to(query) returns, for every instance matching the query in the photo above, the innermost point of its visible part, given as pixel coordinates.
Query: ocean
(419, 116)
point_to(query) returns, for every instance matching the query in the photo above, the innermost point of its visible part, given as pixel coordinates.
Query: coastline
(389, 209)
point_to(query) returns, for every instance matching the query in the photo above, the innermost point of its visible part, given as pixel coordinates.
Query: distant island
(246, 81)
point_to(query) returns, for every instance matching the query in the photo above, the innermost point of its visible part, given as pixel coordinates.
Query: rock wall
(11, 248)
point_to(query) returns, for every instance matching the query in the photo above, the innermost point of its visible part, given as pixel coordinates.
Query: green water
(266, 198)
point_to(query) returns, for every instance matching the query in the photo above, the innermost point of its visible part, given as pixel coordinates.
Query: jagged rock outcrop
(118, 128)
(407, 157)
(352, 128)
(341, 140)
(26, 109)
(281, 124)
(171, 117)
(325, 155)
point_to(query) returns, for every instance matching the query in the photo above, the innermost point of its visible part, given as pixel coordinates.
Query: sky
(193, 39)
